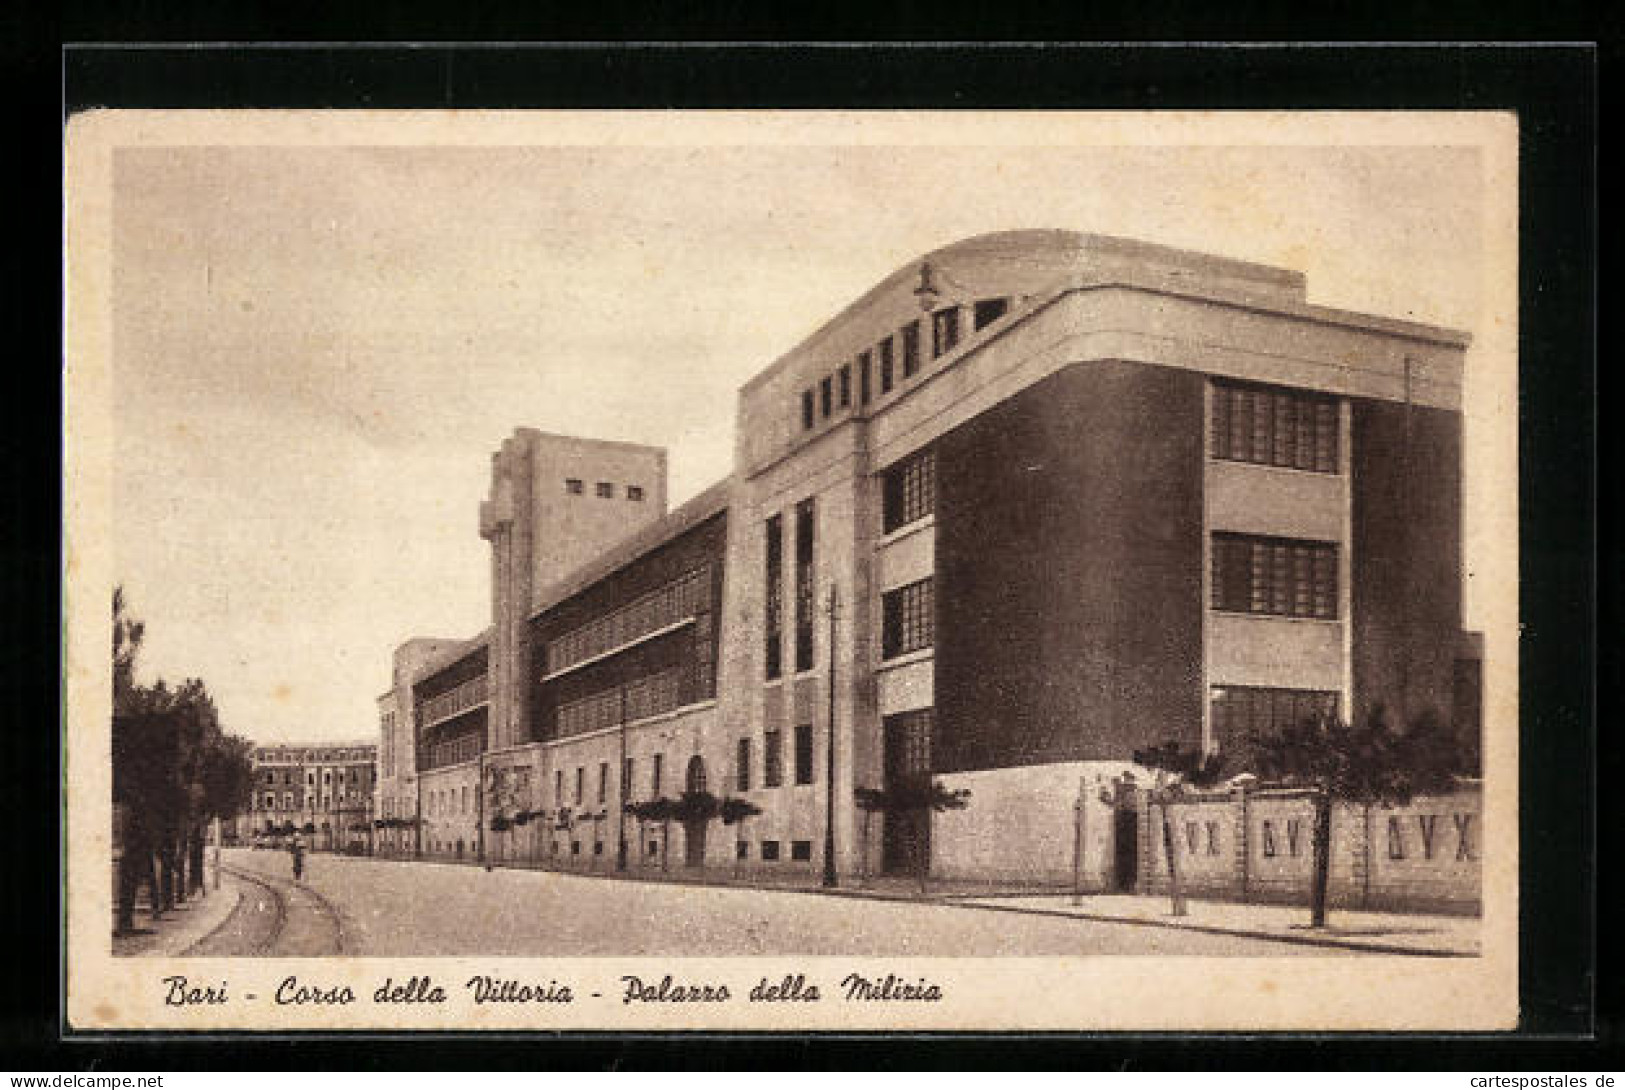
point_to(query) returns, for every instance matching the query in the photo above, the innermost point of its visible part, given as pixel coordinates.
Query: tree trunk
(1170, 846)
(864, 873)
(1322, 859)
(129, 878)
(147, 861)
(197, 861)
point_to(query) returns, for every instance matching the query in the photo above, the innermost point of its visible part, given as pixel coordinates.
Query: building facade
(326, 793)
(1033, 502)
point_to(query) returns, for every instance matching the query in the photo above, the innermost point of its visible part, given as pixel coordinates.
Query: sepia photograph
(768, 570)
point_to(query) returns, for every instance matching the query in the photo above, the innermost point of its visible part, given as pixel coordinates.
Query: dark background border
(1552, 88)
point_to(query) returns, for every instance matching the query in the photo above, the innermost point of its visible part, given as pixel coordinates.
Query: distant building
(325, 792)
(1068, 496)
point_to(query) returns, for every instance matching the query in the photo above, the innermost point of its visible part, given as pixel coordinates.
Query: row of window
(1238, 712)
(1277, 576)
(454, 751)
(629, 777)
(773, 759)
(800, 850)
(640, 699)
(355, 776)
(682, 598)
(881, 363)
(327, 801)
(1276, 427)
(604, 490)
(470, 694)
(450, 801)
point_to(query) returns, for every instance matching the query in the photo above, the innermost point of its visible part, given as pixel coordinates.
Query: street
(376, 908)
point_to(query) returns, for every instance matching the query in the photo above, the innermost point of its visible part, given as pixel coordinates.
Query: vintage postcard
(793, 571)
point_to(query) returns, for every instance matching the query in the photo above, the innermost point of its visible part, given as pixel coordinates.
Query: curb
(962, 901)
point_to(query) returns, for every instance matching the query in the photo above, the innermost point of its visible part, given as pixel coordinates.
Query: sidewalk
(182, 927)
(1373, 932)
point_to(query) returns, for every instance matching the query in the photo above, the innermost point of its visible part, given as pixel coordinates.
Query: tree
(174, 770)
(913, 795)
(1368, 764)
(1177, 769)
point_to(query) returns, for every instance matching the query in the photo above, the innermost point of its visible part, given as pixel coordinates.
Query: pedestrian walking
(297, 848)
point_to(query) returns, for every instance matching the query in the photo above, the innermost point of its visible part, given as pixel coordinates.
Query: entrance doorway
(694, 783)
(906, 847)
(1126, 849)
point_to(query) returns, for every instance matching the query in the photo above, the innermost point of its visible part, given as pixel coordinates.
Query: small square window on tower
(606, 491)
(634, 492)
(573, 486)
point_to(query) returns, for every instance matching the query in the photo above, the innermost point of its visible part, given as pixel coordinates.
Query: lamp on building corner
(927, 292)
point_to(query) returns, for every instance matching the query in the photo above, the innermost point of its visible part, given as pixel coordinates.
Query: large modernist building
(1034, 501)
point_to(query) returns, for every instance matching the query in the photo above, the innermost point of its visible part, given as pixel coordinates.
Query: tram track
(276, 917)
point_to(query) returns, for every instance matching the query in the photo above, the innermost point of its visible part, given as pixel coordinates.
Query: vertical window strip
(1274, 576)
(886, 376)
(774, 626)
(804, 584)
(1289, 428)
(911, 349)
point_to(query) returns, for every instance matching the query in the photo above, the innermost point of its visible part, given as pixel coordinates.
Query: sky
(316, 349)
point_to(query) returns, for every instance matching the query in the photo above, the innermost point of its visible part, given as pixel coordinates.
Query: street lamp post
(829, 762)
(620, 817)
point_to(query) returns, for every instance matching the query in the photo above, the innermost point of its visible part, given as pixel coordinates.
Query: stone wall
(1258, 846)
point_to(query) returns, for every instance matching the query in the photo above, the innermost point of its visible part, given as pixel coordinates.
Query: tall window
(581, 785)
(944, 331)
(742, 766)
(886, 376)
(907, 745)
(846, 385)
(654, 776)
(804, 585)
(558, 787)
(806, 409)
(826, 397)
(908, 619)
(774, 621)
(804, 755)
(911, 349)
(865, 385)
(1276, 576)
(772, 759)
(603, 782)
(1276, 427)
(988, 311)
(1240, 712)
(627, 779)
(910, 490)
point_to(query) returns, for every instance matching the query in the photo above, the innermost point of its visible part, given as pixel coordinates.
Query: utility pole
(829, 763)
(479, 809)
(620, 817)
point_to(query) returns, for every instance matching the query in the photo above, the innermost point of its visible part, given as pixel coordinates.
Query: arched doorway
(694, 783)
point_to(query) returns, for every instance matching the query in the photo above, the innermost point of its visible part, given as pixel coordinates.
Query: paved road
(403, 909)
